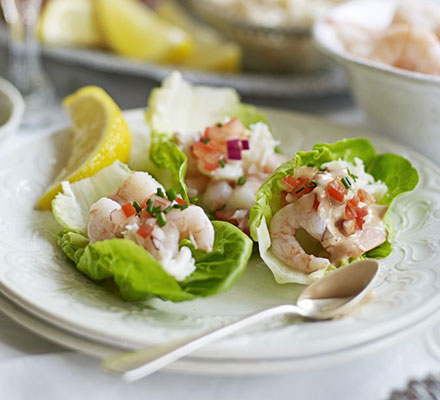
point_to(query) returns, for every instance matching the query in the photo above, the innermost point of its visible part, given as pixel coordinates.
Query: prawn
(216, 195)
(162, 242)
(286, 247)
(194, 224)
(137, 187)
(409, 47)
(101, 225)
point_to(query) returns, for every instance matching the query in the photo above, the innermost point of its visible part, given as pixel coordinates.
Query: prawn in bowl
(393, 64)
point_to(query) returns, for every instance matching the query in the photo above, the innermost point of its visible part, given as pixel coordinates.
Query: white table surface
(33, 368)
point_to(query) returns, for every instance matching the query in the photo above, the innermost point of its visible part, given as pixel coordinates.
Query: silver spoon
(334, 295)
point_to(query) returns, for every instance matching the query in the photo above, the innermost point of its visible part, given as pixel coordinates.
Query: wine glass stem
(25, 67)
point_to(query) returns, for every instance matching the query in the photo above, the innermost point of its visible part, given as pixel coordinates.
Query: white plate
(35, 275)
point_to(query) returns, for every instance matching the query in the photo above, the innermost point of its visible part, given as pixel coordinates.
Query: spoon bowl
(334, 295)
(339, 292)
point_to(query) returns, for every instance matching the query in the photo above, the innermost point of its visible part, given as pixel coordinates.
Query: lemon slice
(67, 22)
(211, 51)
(133, 30)
(100, 135)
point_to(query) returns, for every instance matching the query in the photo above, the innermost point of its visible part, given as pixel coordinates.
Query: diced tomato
(210, 153)
(290, 182)
(316, 203)
(129, 210)
(304, 183)
(365, 197)
(180, 201)
(210, 167)
(354, 201)
(337, 190)
(360, 214)
(350, 212)
(145, 230)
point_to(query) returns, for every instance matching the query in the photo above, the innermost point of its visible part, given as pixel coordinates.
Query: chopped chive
(171, 194)
(183, 206)
(194, 200)
(221, 208)
(353, 176)
(277, 150)
(299, 190)
(322, 169)
(311, 184)
(161, 219)
(206, 140)
(176, 206)
(346, 182)
(150, 206)
(137, 207)
(160, 192)
(219, 124)
(168, 209)
(222, 163)
(310, 164)
(241, 181)
(156, 210)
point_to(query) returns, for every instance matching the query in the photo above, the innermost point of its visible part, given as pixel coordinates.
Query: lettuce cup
(327, 207)
(125, 226)
(209, 146)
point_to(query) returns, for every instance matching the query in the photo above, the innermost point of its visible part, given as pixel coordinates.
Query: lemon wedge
(100, 135)
(133, 30)
(67, 22)
(211, 51)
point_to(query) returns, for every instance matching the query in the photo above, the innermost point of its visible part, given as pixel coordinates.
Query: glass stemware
(25, 68)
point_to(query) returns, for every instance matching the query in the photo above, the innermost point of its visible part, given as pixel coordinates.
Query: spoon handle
(139, 364)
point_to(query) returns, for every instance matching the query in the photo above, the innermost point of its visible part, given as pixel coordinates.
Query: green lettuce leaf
(218, 270)
(71, 207)
(393, 170)
(179, 106)
(171, 163)
(73, 244)
(139, 276)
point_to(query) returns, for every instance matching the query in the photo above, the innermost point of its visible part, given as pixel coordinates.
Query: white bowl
(403, 104)
(11, 108)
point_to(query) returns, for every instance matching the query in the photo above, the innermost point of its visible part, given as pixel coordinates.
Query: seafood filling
(142, 211)
(337, 206)
(226, 166)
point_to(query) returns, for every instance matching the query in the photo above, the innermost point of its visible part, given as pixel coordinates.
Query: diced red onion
(234, 150)
(245, 144)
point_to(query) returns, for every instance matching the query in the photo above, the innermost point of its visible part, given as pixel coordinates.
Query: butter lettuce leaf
(394, 171)
(73, 244)
(139, 276)
(179, 106)
(170, 164)
(71, 207)
(218, 270)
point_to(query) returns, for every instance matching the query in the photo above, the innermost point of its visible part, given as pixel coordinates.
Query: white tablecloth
(33, 368)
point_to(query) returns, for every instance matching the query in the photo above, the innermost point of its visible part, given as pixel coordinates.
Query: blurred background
(263, 48)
